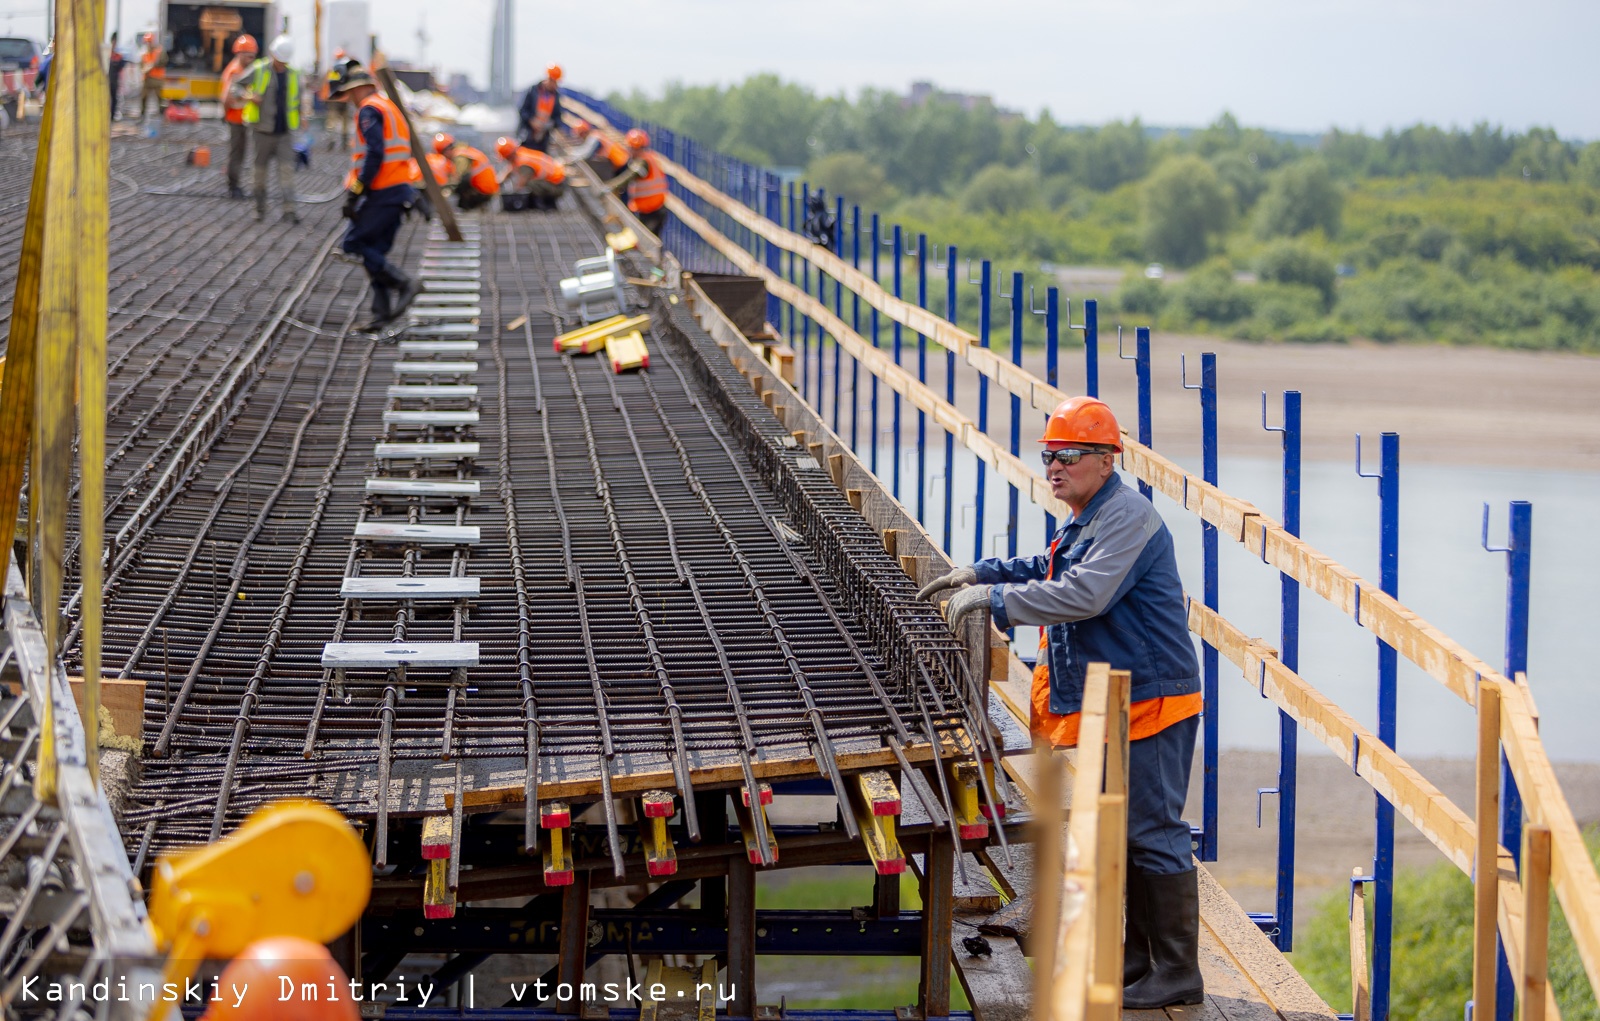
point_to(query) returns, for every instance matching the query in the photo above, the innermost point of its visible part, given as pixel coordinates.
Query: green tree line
(1465, 236)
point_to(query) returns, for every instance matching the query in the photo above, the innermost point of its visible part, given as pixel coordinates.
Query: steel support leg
(938, 903)
(574, 938)
(741, 936)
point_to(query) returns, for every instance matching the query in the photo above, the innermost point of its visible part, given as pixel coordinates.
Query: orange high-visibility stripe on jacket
(398, 166)
(649, 192)
(545, 108)
(154, 63)
(544, 168)
(480, 172)
(1146, 718)
(610, 151)
(440, 167)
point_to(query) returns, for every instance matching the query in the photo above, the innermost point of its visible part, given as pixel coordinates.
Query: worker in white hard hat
(272, 109)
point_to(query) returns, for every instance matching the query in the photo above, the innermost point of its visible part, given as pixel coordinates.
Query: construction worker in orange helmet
(539, 177)
(471, 174)
(257, 978)
(539, 113)
(378, 191)
(233, 104)
(645, 180)
(605, 157)
(153, 64)
(1108, 590)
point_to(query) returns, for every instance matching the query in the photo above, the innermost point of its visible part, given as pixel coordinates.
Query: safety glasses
(1069, 455)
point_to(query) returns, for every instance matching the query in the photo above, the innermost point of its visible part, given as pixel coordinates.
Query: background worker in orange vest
(605, 157)
(540, 110)
(1108, 591)
(233, 104)
(153, 63)
(646, 182)
(540, 177)
(378, 190)
(471, 173)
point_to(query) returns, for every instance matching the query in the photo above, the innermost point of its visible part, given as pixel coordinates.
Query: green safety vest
(260, 76)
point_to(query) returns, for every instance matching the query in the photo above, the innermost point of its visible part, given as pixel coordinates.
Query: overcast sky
(1298, 65)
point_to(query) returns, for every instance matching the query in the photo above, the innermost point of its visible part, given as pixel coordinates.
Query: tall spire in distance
(502, 54)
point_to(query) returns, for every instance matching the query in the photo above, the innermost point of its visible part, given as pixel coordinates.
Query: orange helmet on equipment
(246, 44)
(259, 973)
(443, 141)
(581, 129)
(505, 147)
(553, 72)
(1083, 420)
(637, 139)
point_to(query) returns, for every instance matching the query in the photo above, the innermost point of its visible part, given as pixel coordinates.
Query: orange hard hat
(505, 147)
(637, 139)
(245, 44)
(442, 141)
(258, 973)
(553, 72)
(581, 129)
(149, 38)
(1083, 420)
(340, 54)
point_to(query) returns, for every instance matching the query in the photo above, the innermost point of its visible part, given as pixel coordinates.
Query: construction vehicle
(199, 41)
(19, 65)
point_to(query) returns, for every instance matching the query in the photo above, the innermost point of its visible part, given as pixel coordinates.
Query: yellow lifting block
(593, 337)
(438, 900)
(685, 988)
(967, 800)
(876, 802)
(747, 826)
(660, 857)
(555, 817)
(295, 868)
(624, 240)
(438, 832)
(627, 351)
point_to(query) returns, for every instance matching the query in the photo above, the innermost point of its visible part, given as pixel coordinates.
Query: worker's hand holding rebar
(955, 579)
(351, 201)
(971, 599)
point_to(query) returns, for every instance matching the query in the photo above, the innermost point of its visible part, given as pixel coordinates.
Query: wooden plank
(122, 698)
(1360, 981)
(1486, 871)
(438, 833)
(1533, 983)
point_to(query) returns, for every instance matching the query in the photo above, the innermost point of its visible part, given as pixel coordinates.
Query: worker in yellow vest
(272, 109)
(646, 182)
(378, 190)
(471, 174)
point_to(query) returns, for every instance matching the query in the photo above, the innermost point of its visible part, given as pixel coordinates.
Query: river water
(1445, 576)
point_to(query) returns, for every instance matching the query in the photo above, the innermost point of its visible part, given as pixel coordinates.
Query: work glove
(972, 599)
(351, 201)
(960, 576)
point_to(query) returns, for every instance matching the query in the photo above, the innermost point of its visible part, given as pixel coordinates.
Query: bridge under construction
(574, 640)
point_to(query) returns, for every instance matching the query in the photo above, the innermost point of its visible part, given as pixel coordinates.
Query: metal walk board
(431, 284)
(432, 391)
(409, 588)
(422, 535)
(452, 297)
(422, 451)
(434, 368)
(422, 487)
(358, 655)
(421, 314)
(453, 275)
(443, 330)
(438, 347)
(430, 418)
(442, 265)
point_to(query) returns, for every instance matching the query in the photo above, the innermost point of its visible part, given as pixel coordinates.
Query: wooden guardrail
(1572, 874)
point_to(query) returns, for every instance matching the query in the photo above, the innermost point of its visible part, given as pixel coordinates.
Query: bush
(853, 176)
(1141, 294)
(1000, 190)
(1185, 207)
(1289, 262)
(1300, 197)
(1210, 296)
(1287, 312)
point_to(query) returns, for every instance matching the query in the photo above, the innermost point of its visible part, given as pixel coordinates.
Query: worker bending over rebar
(378, 189)
(1108, 591)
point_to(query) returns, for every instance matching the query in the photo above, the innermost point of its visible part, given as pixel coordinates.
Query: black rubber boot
(1136, 938)
(407, 287)
(381, 315)
(1172, 912)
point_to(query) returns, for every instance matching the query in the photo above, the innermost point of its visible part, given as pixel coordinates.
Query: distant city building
(922, 93)
(462, 91)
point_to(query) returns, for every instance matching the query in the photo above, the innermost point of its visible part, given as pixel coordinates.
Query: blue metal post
(838, 304)
(872, 403)
(790, 337)
(1052, 370)
(769, 184)
(899, 266)
(950, 396)
(1210, 663)
(805, 286)
(1016, 413)
(822, 347)
(922, 377)
(1141, 367)
(985, 298)
(1519, 573)
(1289, 640)
(1091, 348)
(855, 325)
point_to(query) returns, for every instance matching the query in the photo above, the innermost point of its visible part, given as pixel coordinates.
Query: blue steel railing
(761, 191)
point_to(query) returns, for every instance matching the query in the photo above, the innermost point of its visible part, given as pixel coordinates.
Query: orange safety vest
(544, 106)
(440, 167)
(232, 109)
(544, 168)
(611, 151)
(398, 166)
(481, 173)
(154, 62)
(648, 193)
(1145, 718)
